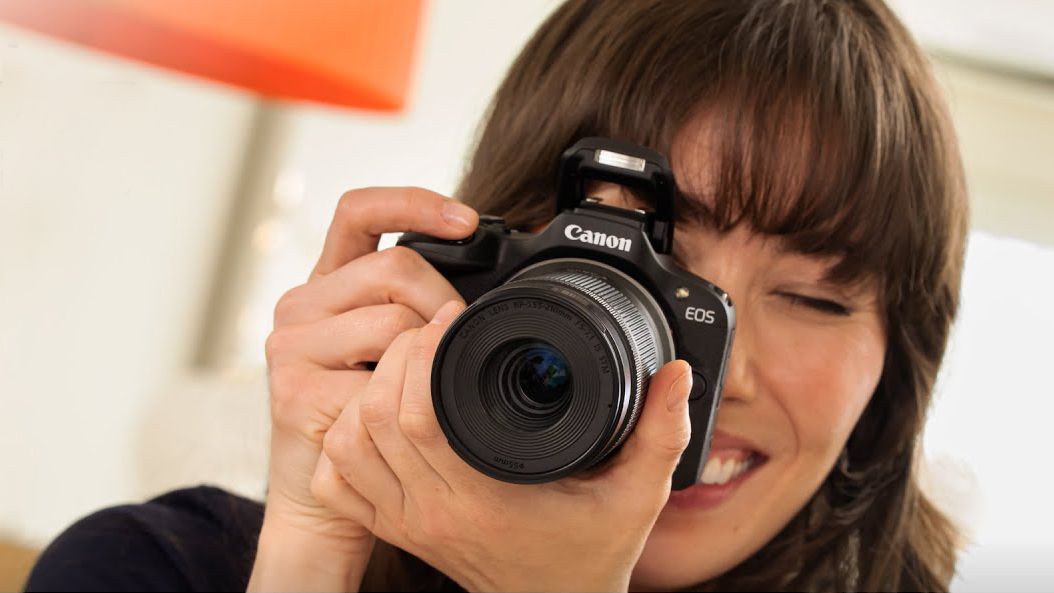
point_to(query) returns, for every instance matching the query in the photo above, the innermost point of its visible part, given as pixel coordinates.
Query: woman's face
(806, 358)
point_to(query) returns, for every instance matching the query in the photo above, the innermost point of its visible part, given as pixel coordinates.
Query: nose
(740, 376)
(729, 260)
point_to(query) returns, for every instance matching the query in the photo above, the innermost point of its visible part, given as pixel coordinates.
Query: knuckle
(376, 410)
(285, 382)
(338, 444)
(407, 200)
(406, 318)
(405, 336)
(286, 385)
(397, 341)
(349, 203)
(420, 351)
(677, 441)
(322, 487)
(288, 306)
(278, 346)
(415, 199)
(401, 260)
(670, 446)
(418, 426)
(399, 320)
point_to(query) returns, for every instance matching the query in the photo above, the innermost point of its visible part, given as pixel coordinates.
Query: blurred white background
(131, 353)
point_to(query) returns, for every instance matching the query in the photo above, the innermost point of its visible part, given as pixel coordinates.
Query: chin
(671, 562)
(705, 537)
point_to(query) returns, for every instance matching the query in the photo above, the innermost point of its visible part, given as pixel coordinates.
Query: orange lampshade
(356, 53)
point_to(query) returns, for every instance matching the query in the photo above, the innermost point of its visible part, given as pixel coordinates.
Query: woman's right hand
(326, 332)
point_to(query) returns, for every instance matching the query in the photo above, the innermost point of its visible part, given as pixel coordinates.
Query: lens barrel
(545, 375)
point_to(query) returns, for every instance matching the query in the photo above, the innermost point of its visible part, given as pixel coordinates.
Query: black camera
(545, 372)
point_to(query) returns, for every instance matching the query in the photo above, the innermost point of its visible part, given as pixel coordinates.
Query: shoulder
(193, 539)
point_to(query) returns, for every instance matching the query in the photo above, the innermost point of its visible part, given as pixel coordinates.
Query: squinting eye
(822, 305)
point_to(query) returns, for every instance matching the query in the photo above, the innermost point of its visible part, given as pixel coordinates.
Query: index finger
(363, 215)
(417, 416)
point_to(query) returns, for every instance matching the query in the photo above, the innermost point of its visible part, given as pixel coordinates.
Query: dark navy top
(197, 539)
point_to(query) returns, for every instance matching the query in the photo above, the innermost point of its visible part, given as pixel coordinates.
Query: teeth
(718, 472)
(727, 469)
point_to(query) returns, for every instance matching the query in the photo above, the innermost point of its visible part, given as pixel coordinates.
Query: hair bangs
(811, 151)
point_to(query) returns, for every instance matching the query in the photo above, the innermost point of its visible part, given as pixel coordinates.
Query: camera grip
(475, 253)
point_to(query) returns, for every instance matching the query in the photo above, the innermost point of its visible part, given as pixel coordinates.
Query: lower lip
(708, 496)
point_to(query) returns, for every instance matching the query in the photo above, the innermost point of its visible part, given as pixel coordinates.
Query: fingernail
(447, 313)
(457, 214)
(678, 394)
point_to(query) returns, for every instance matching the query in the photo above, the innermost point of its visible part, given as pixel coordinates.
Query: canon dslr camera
(545, 372)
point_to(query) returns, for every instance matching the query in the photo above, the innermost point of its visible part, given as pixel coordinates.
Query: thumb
(663, 430)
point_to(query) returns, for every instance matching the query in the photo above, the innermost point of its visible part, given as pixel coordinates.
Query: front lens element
(542, 375)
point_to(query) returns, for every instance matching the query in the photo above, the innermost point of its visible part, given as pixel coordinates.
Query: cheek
(822, 378)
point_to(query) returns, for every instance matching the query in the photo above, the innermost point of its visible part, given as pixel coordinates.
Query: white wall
(113, 180)
(1013, 33)
(989, 431)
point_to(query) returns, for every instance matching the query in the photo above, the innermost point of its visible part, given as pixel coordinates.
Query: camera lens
(545, 375)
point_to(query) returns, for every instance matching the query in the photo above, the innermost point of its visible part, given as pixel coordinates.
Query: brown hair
(828, 131)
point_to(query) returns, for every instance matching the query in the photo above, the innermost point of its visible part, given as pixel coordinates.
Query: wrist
(290, 557)
(282, 513)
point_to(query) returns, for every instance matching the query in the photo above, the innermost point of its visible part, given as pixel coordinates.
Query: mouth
(722, 469)
(724, 472)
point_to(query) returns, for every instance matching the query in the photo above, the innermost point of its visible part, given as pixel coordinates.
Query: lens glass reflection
(542, 374)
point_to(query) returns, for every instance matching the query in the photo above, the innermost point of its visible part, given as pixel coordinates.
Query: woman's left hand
(387, 464)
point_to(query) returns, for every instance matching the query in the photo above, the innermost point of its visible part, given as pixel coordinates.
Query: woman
(819, 185)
